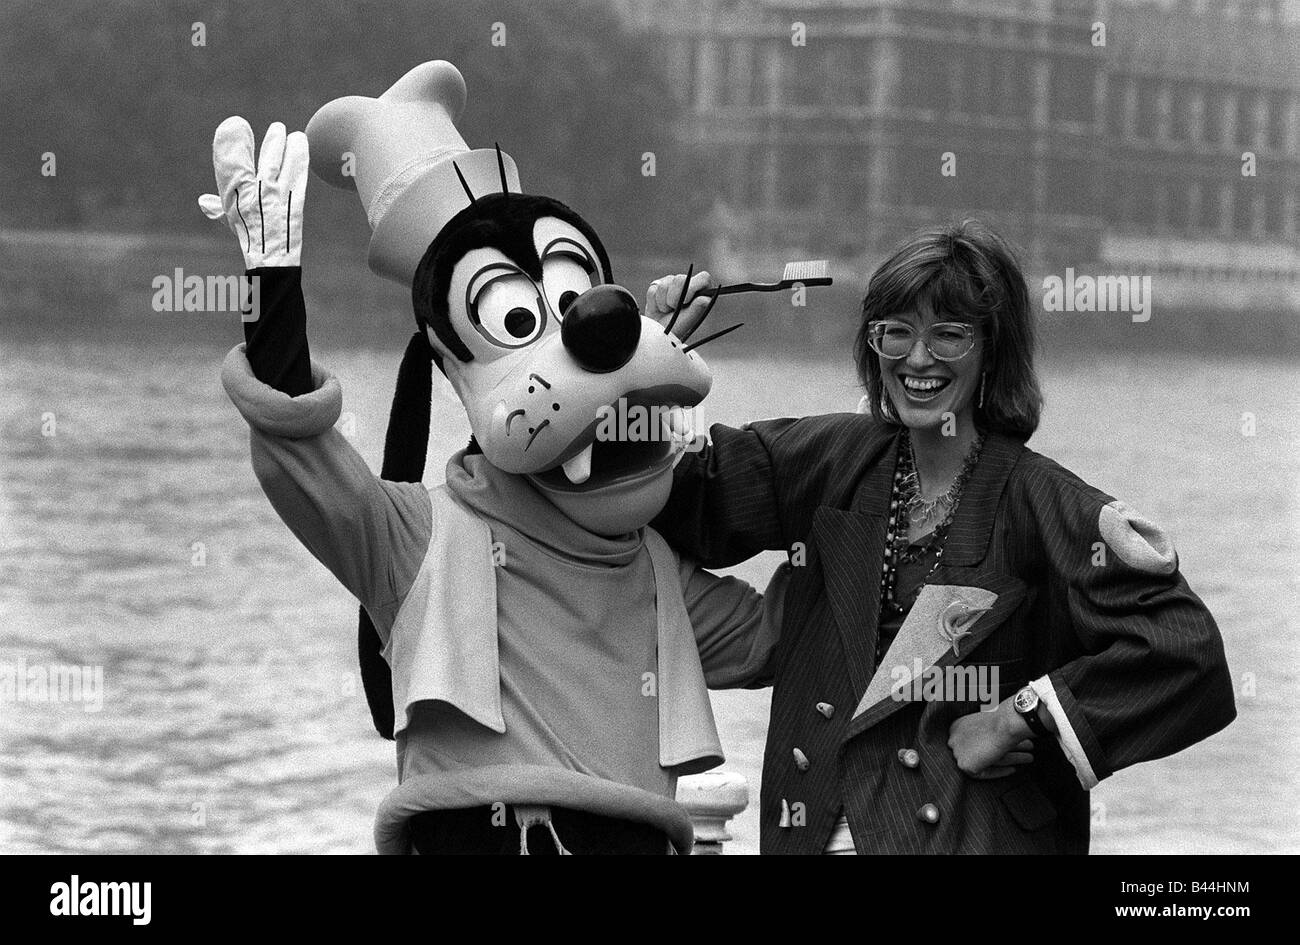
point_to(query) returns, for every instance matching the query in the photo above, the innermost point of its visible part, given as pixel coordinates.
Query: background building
(1125, 157)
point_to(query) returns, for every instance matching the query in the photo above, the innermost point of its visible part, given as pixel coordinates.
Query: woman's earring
(983, 377)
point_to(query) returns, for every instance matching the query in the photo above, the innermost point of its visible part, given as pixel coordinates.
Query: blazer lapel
(851, 548)
(968, 535)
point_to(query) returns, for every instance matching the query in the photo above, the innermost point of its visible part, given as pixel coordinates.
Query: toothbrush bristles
(806, 270)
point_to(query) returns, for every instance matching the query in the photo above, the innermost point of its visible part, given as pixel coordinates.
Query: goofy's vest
(443, 648)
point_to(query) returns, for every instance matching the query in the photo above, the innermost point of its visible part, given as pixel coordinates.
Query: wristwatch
(1025, 702)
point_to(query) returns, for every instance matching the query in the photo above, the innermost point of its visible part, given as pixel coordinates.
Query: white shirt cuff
(1065, 733)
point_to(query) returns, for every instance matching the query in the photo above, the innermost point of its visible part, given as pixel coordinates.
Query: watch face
(1026, 700)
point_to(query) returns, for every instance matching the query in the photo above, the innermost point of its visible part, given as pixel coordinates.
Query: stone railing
(712, 799)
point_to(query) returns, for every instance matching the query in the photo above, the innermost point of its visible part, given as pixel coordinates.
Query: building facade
(1161, 137)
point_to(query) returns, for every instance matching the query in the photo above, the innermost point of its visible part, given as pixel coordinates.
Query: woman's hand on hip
(991, 744)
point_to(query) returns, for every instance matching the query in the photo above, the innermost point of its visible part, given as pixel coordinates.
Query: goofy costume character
(539, 655)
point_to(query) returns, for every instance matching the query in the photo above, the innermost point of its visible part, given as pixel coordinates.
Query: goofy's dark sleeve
(1152, 678)
(371, 534)
(276, 342)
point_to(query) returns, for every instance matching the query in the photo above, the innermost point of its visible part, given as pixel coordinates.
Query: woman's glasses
(946, 341)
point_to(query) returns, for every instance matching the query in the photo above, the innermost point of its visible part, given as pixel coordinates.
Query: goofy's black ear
(431, 310)
(405, 446)
(407, 439)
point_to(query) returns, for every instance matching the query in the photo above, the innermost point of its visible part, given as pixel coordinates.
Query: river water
(133, 537)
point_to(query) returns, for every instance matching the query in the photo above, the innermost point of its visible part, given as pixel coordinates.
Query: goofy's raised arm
(370, 533)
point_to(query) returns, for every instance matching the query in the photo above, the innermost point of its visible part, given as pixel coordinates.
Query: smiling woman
(962, 292)
(933, 537)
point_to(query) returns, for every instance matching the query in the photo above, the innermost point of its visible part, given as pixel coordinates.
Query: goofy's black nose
(602, 328)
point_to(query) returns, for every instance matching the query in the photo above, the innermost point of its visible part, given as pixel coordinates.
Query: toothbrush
(809, 272)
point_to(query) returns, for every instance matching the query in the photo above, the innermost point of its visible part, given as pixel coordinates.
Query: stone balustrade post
(712, 799)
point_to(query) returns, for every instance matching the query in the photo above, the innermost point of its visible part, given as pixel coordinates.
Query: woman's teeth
(924, 387)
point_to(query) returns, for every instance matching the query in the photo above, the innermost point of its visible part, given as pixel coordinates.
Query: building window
(1014, 95)
(1072, 90)
(803, 76)
(918, 169)
(1224, 212)
(1243, 207)
(848, 72)
(1148, 117)
(1277, 118)
(958, 76)
(1233, 128)
(849, 178)
(1070, 188)
(978, 85)
(1212, 132)
(1195, 200)
(1189, 113)
(1002, 182)
(766, 72)
(924, 76)
(1117, 93)
(1257, 110)
(1274, 210)
(797, 181)
(1146, 202)
(738, 84)
(1177, 206)
(1124, 188)
(1207, 210)
(863, 76)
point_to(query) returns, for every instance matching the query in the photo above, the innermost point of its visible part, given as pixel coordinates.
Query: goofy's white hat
(408, 163)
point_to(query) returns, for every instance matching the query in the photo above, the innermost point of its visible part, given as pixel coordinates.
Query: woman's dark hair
(964, 272)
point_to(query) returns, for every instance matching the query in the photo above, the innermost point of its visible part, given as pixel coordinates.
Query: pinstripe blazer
(1083, 592)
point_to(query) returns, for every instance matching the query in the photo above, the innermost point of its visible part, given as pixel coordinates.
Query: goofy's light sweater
(547, 651)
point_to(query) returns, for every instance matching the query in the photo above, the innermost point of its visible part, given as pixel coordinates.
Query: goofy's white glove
(262, 203)
(662, 297)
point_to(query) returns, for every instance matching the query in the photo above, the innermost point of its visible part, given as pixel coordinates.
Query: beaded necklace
(906, 495)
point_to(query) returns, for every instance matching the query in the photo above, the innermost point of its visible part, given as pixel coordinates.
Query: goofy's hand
(661, 301)
(990, 744)
(262, 203)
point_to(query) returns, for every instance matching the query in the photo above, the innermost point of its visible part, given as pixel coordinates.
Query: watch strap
(1032, 720)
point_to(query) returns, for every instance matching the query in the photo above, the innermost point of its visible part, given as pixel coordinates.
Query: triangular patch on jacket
(945, 625)
(939, 621)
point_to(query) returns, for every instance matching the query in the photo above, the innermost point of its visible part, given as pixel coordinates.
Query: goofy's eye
(508, 312)
(565, 278)
(520, 322)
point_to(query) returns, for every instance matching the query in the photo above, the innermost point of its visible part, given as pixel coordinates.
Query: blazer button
(801, 760)
(910, 757)
(928, 814)
(826, 709)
